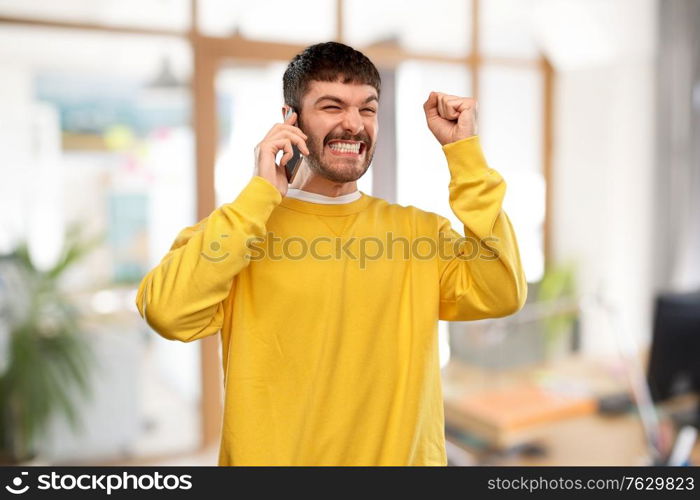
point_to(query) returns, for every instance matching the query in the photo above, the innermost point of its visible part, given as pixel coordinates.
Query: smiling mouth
(353, 149)
(215, 259)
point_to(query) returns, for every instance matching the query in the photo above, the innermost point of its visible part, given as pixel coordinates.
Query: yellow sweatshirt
(328, 314)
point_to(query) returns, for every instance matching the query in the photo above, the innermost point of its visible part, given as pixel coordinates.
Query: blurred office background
(131, 119)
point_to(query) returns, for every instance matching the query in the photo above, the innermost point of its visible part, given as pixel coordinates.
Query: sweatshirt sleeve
(480, 272)
(182, 297)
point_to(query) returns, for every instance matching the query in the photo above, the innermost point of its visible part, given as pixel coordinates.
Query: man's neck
(307, 181)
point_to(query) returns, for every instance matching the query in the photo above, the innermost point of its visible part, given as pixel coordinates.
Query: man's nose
(352, 121)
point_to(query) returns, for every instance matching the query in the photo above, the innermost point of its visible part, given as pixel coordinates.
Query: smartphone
(292, 166)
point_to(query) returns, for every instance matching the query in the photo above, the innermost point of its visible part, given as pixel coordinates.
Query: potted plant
(557, 292)
(45, 358)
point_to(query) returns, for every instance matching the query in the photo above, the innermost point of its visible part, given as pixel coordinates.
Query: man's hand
(280, 138)
(450, 118)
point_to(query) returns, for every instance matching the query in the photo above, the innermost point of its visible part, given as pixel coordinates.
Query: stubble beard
(339, 173)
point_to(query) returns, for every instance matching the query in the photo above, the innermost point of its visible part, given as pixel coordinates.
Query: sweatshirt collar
(327, 209)
(300, 194)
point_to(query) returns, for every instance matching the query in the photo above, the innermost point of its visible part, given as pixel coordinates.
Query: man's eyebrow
(340, 101)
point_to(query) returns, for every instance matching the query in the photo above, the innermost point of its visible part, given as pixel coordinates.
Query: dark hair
(327, 62)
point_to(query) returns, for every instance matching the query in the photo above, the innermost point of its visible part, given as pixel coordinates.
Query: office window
(437, 27)
(422, 174)
(153, 14)
(301, 21)
(109, 147)
(510, 126)
(250, 103)
(506, 29)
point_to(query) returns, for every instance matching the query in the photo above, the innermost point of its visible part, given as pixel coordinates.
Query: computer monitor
(674, 363)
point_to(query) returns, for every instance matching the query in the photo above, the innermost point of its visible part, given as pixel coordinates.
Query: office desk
(590, 439)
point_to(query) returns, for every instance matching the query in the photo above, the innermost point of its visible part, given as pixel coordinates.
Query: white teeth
(345, 148)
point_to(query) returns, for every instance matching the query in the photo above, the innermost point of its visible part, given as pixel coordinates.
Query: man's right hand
(280, 138)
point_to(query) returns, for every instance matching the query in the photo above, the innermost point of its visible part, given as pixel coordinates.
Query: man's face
(340, 120)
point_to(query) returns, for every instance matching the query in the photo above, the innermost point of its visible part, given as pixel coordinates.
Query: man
(327, 299)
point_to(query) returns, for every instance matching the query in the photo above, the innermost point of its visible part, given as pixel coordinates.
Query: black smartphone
(292, 166)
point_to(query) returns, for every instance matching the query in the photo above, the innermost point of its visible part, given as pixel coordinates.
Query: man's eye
(371, 110)
(331, 107)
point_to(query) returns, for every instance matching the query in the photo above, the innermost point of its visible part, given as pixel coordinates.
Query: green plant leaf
(49, 358)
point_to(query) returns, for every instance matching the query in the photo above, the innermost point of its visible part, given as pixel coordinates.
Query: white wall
(604, 154)
(17, 156)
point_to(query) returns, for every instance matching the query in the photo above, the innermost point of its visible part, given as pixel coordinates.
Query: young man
(327, 299)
